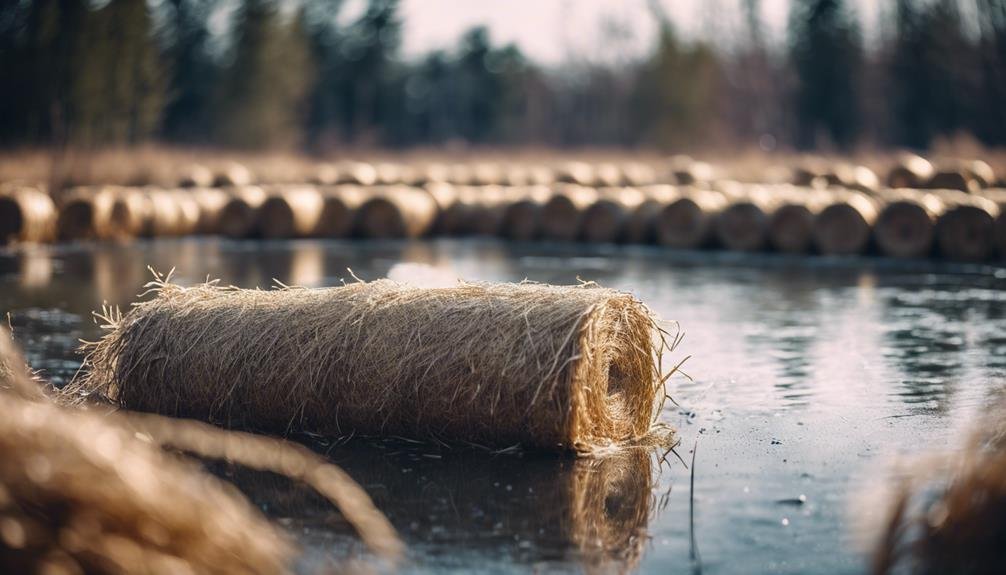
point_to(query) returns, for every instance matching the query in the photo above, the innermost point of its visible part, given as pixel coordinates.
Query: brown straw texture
(89, 491)
(556, 368)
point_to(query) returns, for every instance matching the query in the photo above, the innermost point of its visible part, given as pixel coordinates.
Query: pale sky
(549, 31)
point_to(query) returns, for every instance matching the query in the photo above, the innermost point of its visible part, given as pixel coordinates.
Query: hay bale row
(901, 223)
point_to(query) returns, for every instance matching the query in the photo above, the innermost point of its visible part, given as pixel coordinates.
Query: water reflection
(536, 511)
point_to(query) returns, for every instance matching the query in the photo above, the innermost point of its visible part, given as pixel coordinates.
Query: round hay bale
(906, 225)
(694, 173)
(743, 225)
(239, 216)
(164, 214)
(687, 220)
(562, 214)
(486, 218)
(487, 174)
(397, 212)
(540, 176)
(853, 177)
(578, 173)
(130, 212)
(607, 175)
(325, 174)
(638, 228)
(845, 223)
(982, 172)
(290, 212)
(809, 172)
(455, 217)
(791, 224)
(388, 174)
(522, 213)
(232, 174)
(569, 368)
(638, 174)
(607, 218)
(195, 176)
(998, 195)
(952, 179)
(338, 210)
(27, 214)
(211, 204)
(965, 231)
(86, 214)
(357, 173)
(189, 211)
(910, 171)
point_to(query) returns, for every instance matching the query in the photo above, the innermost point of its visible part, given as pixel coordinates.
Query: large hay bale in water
(290, 212)
(906, 225)
(130, 213)
(564, 368)
(397, 212)
(562, 214)
(965, 231)
(27, 214)
(606, 219)
(845, 224)
(687, 220)
(211, 204)
(86, 214)
(239, 217)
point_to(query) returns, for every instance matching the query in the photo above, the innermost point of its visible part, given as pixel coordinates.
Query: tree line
(294, 74)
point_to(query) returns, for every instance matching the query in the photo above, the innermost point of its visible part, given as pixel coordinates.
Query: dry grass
(555, 368)
(87, 492)
(948, 513)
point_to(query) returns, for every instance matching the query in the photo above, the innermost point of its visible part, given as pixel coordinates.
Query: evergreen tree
(826, 52)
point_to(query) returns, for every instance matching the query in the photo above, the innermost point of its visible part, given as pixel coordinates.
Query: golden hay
(687, 220)
(911, 171)
(233, 175)
(27, 214)
(844, 226)
(966, 230)
(356, 173)
(562, 214)
(607, 218)
(82, 492)
(522, 214)
(791, 225)
(290, 212)
(338, 210)
(130, 211)
(853, 177)
(239, 216)
(998, 195)
(211, 204)
(948, 514)
(475, 210)
(85, 214)
(906, 225)
(743, 225)
(195, 176)
(639, 226)
(557, 368)
(953, 179)
(397, 212)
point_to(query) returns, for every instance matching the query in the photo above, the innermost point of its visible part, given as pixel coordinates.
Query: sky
(553, 31)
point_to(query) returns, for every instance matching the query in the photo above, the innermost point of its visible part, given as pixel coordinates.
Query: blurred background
(326, 75)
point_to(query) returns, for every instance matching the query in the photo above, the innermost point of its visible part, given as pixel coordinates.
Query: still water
(807, 375)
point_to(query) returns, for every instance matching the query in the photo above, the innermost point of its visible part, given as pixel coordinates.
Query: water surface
(806, 375)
